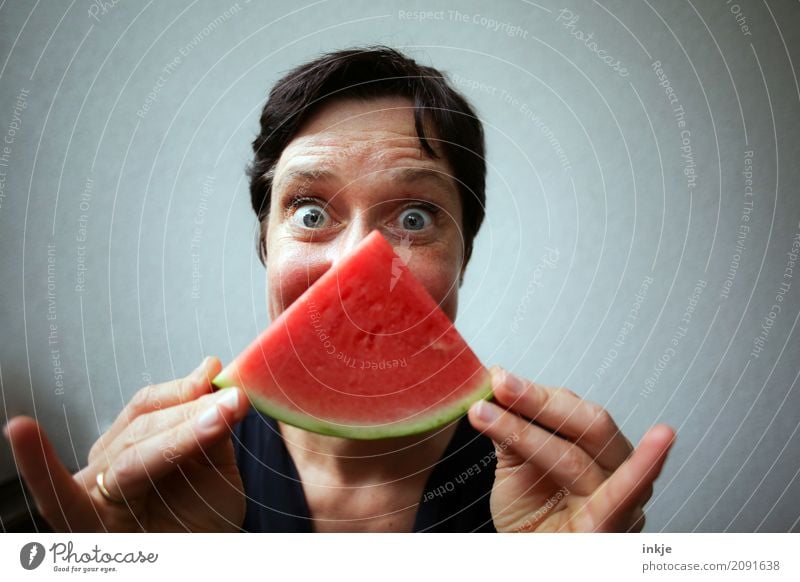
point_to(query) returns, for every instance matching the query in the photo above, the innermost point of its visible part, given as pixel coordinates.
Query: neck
(363, 461)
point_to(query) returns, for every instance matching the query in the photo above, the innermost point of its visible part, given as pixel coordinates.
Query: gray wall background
(127, 239)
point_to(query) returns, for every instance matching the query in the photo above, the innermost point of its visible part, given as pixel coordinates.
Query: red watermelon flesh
(363, 353)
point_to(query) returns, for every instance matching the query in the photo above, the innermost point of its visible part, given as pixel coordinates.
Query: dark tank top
(455, 498)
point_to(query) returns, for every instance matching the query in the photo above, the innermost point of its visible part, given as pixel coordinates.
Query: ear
(466, 255)
(262, 239)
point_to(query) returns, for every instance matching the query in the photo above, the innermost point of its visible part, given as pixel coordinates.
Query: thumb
(54, 490)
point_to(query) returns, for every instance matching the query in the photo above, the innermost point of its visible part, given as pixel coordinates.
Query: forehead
(394, 114)
(356, 136)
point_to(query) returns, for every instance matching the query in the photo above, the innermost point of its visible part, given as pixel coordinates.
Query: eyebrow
(406, 175)
(304, 174)
(412, 175)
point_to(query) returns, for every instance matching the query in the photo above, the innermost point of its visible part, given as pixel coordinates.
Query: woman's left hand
(562, 463)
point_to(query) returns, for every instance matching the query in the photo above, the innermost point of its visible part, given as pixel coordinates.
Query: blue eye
(415, 218)
(310, 216)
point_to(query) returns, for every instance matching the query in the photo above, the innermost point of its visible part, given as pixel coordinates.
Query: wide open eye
(310, 215)
(415, 219)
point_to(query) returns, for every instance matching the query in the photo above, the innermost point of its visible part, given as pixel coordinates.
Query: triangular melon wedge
(364, 353)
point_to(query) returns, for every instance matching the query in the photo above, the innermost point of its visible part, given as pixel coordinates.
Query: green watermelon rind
(426, 423)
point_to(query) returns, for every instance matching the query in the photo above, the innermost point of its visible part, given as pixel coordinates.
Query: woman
(353, 141)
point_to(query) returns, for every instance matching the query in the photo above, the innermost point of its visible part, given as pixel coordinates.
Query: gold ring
(105, 493)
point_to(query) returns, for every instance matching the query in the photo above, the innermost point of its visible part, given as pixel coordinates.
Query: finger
(139, 467)
(58, 497)
(585, 423)
(631, 482)
(645, 497)
(148, 425)
(637, 520)
(159, 397)
(564, 462)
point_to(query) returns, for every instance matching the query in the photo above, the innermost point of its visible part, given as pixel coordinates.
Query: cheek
(439, 276)
(290, 272)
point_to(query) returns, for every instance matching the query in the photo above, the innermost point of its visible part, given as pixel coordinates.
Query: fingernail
(5, 431)
(487, 412)
(513, 384)
(229, 398)
(209, 418)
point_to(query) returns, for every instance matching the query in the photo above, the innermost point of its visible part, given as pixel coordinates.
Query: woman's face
(353, 167)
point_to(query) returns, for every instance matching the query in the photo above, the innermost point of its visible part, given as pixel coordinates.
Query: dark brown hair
(371, 72)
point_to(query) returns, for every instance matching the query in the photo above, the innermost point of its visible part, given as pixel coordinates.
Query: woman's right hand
(168, 455)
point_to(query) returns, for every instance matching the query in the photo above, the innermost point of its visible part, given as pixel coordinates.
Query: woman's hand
(562, 463)
(168, 456)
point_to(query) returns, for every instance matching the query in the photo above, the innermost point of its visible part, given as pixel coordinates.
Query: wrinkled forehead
(347, 150)
(383, 164)
(352, 132)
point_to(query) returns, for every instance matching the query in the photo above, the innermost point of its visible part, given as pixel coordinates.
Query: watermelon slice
(364, 353)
